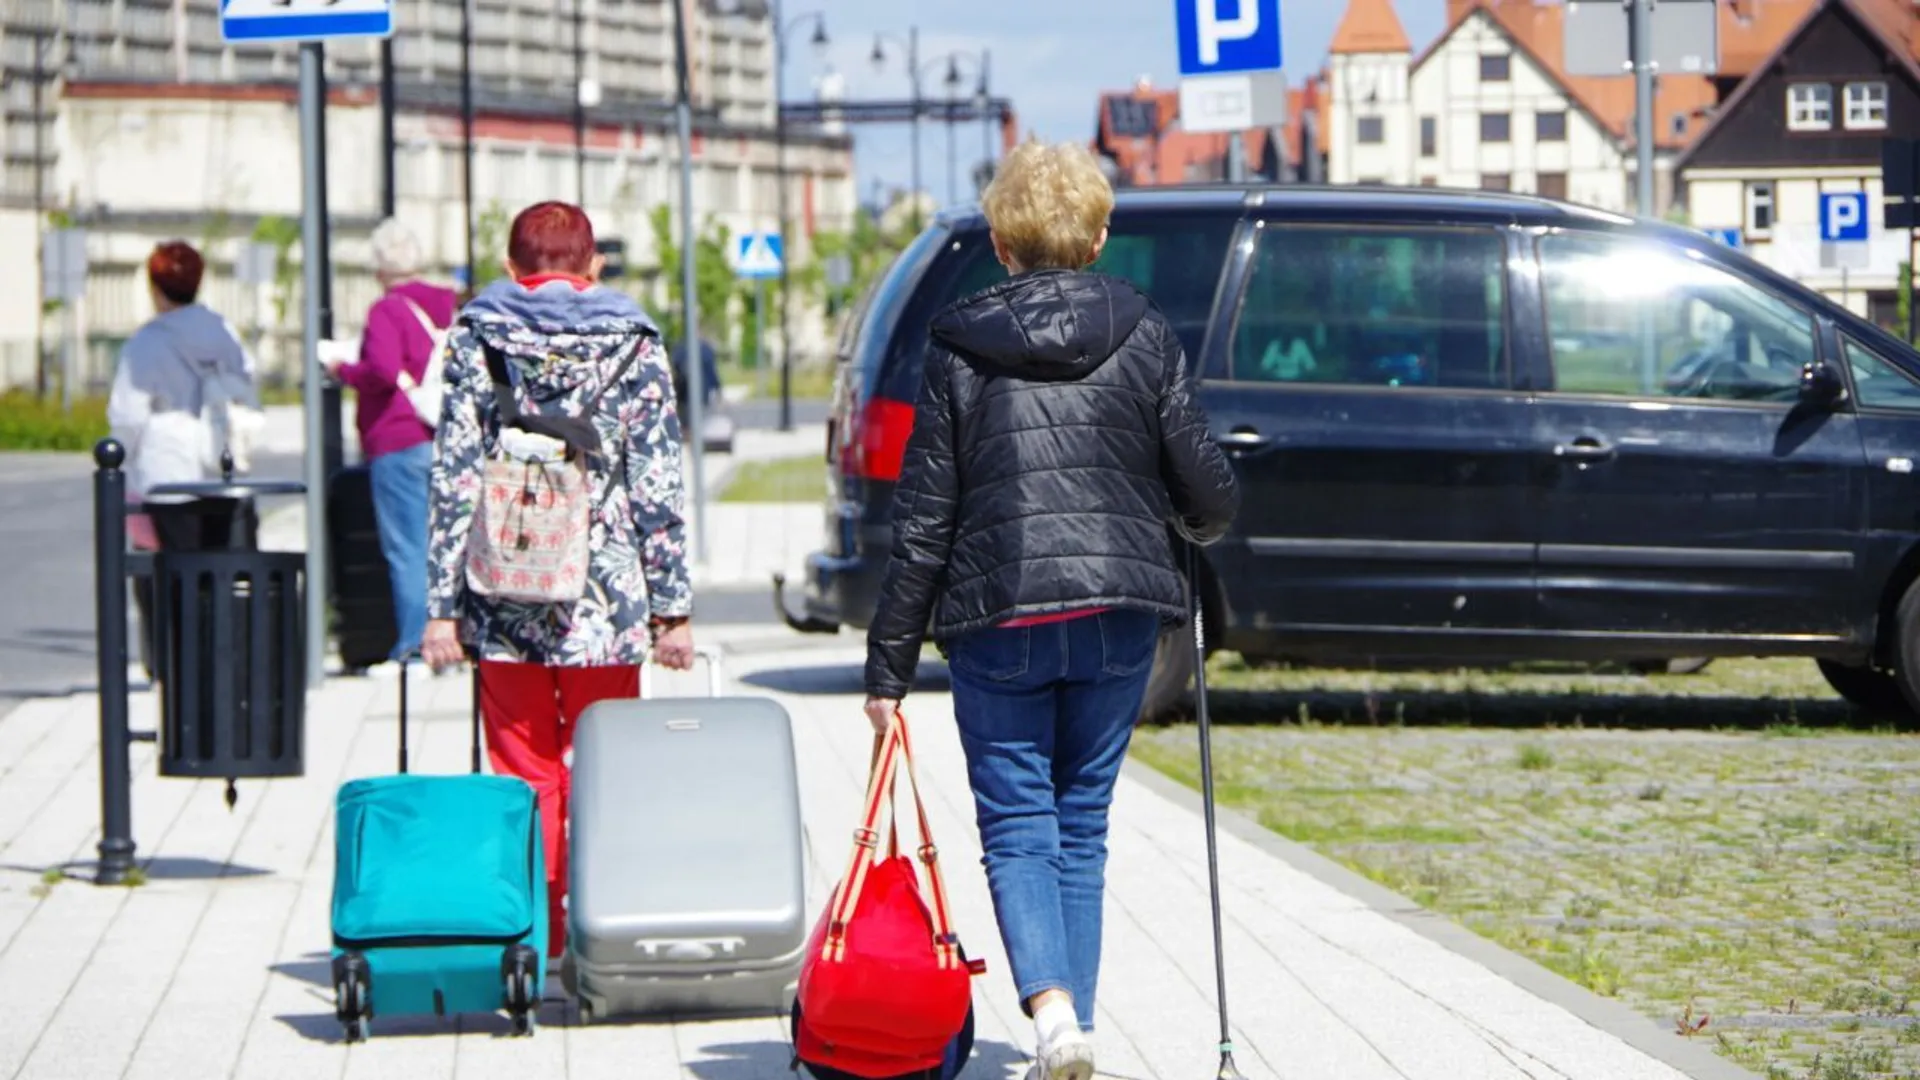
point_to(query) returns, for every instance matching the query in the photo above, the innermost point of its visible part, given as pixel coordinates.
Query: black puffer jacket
(1054, 441)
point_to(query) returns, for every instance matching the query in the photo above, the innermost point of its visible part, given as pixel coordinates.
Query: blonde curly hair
(1048, 204)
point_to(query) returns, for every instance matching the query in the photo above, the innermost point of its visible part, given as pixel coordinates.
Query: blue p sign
(1843, 216)
(1224, 37)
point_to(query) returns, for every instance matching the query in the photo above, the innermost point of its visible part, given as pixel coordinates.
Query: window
(1866, 106)
(1495, 127)
(1429, 136)
(1809, 107)
(1392, 307)
(1496, 68)
(1878, 383)
(1553, 185)
(1496, 181)
(1371, 130)
(1760, 208)
(1550, 126)
(1637, 319)
(1678, 122)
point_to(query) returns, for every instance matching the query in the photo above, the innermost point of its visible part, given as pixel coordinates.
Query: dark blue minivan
(1474, 428)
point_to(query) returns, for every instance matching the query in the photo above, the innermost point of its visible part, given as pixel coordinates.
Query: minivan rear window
(1174, 258)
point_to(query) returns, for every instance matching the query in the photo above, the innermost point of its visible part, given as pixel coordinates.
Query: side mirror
(1822, 386)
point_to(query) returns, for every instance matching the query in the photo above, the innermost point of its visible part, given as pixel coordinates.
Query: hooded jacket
(1055, 440)
(563, 345)
(169, 371)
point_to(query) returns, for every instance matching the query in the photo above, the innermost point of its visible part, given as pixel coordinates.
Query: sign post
(1900, 190)
(757, 257)
(1230, 77)
(1844, 231)
(63, 277)
(1611, 37)
(311, 23)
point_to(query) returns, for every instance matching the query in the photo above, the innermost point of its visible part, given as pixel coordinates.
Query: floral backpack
(530, 527)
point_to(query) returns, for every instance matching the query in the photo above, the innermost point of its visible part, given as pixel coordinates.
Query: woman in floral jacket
(565, 340)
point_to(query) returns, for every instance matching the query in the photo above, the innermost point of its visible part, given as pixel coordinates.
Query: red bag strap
(895, 749)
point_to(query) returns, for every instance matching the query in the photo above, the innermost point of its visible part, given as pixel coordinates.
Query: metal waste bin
(231, 648)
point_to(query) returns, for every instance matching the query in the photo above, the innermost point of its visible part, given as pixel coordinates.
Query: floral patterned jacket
(562, 344)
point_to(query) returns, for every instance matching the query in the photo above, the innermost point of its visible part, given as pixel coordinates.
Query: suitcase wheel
(353, 1001)
(519, 969)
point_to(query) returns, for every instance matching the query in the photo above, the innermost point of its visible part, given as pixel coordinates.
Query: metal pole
(786, 241)
(986, 121)
(913, 69)
(1236, 159)
(953, 168)
(332, 439)
(1640, 13)
(690, 300)
(579, 101)
(312, 159)
(390, 195)
(110, 629)
(466, 130)
(1913, 286)
(759, 331)
(39, 211)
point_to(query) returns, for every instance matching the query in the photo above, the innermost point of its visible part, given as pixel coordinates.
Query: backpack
(530, 527)
(425, 396)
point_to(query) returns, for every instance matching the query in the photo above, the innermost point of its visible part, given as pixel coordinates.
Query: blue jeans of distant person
(1045, 713)
(400, 507)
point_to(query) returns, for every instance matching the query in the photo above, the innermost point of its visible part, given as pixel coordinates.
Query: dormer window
(1810, 107)
(1866, 106)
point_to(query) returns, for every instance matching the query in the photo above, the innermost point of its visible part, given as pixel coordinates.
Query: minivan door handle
(1242, 438)
(1584, 449)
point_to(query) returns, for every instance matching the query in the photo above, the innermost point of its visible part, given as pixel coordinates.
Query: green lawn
(811, 382)
(794, 479)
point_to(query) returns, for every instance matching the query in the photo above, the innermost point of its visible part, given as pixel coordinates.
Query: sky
(1052, 57)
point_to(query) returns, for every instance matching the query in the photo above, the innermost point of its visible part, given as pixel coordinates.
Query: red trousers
(529, 711)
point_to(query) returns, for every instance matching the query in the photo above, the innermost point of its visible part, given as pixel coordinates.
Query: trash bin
(231, 624)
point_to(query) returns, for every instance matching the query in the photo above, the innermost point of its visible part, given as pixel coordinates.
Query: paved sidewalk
(217, 965)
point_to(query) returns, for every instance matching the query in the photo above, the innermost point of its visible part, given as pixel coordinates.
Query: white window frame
(1810, 107)
(1758, 192)
(1866, 105)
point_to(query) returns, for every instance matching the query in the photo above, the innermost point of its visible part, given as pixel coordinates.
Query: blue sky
(1053, 57)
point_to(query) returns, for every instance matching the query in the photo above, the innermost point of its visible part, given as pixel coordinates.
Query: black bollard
(110, 628)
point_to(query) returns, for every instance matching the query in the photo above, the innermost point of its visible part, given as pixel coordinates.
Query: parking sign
(1227, 37)
(1843, 217)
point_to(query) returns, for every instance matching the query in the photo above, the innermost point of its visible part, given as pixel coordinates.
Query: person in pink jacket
(397, 444)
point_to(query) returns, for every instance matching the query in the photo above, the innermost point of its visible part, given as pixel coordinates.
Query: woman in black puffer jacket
(1055, 440)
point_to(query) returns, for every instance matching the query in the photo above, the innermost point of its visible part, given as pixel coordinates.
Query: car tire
(1685, 665)
(1866, 688)
(1906, 647)
(1170, 685)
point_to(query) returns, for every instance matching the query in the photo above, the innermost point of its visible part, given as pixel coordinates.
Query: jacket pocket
(998, 655)
(1127, 641)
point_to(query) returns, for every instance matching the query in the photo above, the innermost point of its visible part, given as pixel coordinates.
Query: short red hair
(552, 238)
(175, 269)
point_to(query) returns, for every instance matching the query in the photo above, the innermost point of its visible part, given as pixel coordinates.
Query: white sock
(1054, 1020)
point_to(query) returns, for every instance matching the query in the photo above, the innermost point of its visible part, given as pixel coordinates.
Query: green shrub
(27, 423)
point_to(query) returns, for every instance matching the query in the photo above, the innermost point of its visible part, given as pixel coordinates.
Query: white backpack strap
(425, 322)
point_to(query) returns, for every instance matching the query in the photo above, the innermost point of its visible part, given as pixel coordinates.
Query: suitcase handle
(405, 662)
(701, 652)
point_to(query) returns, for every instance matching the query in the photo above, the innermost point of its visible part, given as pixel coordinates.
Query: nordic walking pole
(1227, 1069)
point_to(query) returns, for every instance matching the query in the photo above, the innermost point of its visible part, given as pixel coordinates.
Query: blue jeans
(400, 507)
(1045, 714)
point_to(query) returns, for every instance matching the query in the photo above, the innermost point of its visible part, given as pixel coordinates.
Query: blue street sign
(757, 255)
(1843, 216)
(304, 20)
(1730, 237)
(1227, 37)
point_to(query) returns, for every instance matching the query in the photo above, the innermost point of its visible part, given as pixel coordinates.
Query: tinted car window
(1175, 259)
(1878, 382)
(1363, 306)
(1635, 318)
(889, 304)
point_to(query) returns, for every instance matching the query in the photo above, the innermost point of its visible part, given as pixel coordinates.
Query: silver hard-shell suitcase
(686, 883)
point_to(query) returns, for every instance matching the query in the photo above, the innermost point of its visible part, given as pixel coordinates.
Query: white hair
(397, 252)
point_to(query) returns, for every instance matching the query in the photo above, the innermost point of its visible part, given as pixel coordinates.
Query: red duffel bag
(884, 988)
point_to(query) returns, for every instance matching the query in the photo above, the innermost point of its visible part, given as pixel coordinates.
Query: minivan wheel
(1906, 647)
(1866, 688)
(1170, 686)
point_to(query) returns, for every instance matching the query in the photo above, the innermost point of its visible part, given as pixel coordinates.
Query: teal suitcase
(439, 902)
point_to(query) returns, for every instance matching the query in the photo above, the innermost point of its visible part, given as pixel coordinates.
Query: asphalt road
(46, 563)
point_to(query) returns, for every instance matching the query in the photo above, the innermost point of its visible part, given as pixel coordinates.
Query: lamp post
(820, 42)
(879, 58)
(580, 102)
(981, 98)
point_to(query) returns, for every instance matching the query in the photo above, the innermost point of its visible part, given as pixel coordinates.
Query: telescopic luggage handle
(407, 659)
(701, 652)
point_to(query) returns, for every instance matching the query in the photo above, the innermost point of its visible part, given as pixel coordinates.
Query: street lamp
(819, 42)
(879, 58)
(980, 102)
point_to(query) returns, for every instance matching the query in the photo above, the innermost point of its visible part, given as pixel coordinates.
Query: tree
(715, 285)
(490, 245)
(868, 249)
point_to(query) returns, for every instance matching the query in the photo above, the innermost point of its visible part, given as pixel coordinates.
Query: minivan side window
(1634, 318)
(1878, 383)
(1388, 306)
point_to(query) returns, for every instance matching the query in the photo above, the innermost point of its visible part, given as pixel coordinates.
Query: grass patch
(27, 423)
(1733, 853)
(794, 479)
(811, 382)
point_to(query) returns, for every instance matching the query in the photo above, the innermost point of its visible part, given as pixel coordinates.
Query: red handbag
(884, 988)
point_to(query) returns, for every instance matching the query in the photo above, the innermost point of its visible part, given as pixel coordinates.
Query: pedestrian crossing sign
(757, 255)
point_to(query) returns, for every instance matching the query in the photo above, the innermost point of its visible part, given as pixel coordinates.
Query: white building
(148, 128)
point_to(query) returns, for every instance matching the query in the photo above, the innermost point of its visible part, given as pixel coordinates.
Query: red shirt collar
(534, 281)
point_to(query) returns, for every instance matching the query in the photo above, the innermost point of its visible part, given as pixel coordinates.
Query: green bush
(27, 423)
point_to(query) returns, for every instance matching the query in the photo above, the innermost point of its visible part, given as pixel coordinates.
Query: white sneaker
(1070, 1057)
